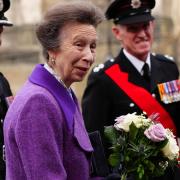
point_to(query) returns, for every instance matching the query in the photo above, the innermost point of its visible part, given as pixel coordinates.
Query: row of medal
(169, 91)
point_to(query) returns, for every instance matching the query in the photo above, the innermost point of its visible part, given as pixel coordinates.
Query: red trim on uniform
(141, 97)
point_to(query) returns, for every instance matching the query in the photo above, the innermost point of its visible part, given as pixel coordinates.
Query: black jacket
(103, 100)
(5, 91)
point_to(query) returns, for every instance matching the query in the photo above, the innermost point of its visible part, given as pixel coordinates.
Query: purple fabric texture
(45, 137)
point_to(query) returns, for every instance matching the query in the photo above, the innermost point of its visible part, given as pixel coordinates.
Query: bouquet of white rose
(141, 147)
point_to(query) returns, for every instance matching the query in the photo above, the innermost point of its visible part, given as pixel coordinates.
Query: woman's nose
(89, 55)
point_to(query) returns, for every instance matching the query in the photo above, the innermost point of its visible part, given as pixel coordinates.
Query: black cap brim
(134, 19)
(5, 23)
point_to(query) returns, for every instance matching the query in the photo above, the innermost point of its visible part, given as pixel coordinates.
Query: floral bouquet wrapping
(141, 147)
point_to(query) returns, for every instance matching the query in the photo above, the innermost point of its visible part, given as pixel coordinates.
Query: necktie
(146, 72)
(146, 76)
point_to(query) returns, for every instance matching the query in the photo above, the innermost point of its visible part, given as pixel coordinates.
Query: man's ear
(116, 30)
(152, 25)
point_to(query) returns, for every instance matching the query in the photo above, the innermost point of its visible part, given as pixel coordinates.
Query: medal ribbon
(141, 97)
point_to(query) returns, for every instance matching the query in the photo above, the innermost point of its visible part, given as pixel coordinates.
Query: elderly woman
(45, 137)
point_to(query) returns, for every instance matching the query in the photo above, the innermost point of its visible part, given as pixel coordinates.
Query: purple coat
(45, 137)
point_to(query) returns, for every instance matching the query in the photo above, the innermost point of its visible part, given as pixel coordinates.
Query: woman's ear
(52, 58)
(52, 54)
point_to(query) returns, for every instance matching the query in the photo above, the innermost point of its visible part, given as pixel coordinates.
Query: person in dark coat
(136, 80)
(5, 91)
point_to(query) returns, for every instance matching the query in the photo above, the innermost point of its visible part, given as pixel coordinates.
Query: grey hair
(59, 15)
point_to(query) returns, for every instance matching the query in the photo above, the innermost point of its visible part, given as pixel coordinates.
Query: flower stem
(124, 176)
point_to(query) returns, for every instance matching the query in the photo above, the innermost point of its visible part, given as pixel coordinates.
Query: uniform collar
(137, 63)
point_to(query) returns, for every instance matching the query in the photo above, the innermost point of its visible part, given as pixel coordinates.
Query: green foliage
(136, 153)
(111, 134)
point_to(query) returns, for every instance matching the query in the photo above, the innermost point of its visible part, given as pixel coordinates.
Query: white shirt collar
(50, 70)
(137, 63)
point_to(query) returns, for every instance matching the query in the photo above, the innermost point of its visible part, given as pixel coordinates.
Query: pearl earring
(53, 61)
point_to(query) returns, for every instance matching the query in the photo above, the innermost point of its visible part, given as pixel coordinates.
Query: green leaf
(114, 159)
(150, 166)
(133, 147)
(158, 171)
(140, 171)
(111, 134)
(133, 131)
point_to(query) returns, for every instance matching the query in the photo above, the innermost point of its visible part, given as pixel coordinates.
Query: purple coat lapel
(42, 77)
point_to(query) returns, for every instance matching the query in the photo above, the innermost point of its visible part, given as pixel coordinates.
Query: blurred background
(20, 50)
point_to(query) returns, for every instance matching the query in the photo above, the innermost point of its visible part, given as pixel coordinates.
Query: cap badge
(1, 5)
(135, 4)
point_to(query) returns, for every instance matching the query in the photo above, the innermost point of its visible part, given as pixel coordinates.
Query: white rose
(171, 150)
(123, 122)
(141, 121)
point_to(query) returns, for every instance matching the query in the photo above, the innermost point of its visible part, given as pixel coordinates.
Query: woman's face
(77, 52)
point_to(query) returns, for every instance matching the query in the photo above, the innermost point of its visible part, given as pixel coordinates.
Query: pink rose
(156, 133)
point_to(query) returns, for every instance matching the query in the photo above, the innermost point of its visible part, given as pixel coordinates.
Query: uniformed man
(5, 91)
(136, 80)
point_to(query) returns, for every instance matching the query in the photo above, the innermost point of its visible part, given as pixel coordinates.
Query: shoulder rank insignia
(98, 67)
(169, 57)
(101, 66)
(169, 91)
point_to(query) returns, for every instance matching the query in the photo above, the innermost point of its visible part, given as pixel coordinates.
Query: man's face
(136, 38)
(1, 30)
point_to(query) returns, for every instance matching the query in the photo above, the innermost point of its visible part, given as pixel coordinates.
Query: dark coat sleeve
(5, 91)
(4, 86)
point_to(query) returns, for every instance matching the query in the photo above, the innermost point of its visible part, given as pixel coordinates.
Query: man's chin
(142, 55)
(143, 50)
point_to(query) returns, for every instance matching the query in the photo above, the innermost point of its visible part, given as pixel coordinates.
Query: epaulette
(163, 57)
(102, 66)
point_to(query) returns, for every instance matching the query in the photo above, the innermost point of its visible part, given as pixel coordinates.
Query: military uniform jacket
(104, 100)
(5, 91)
